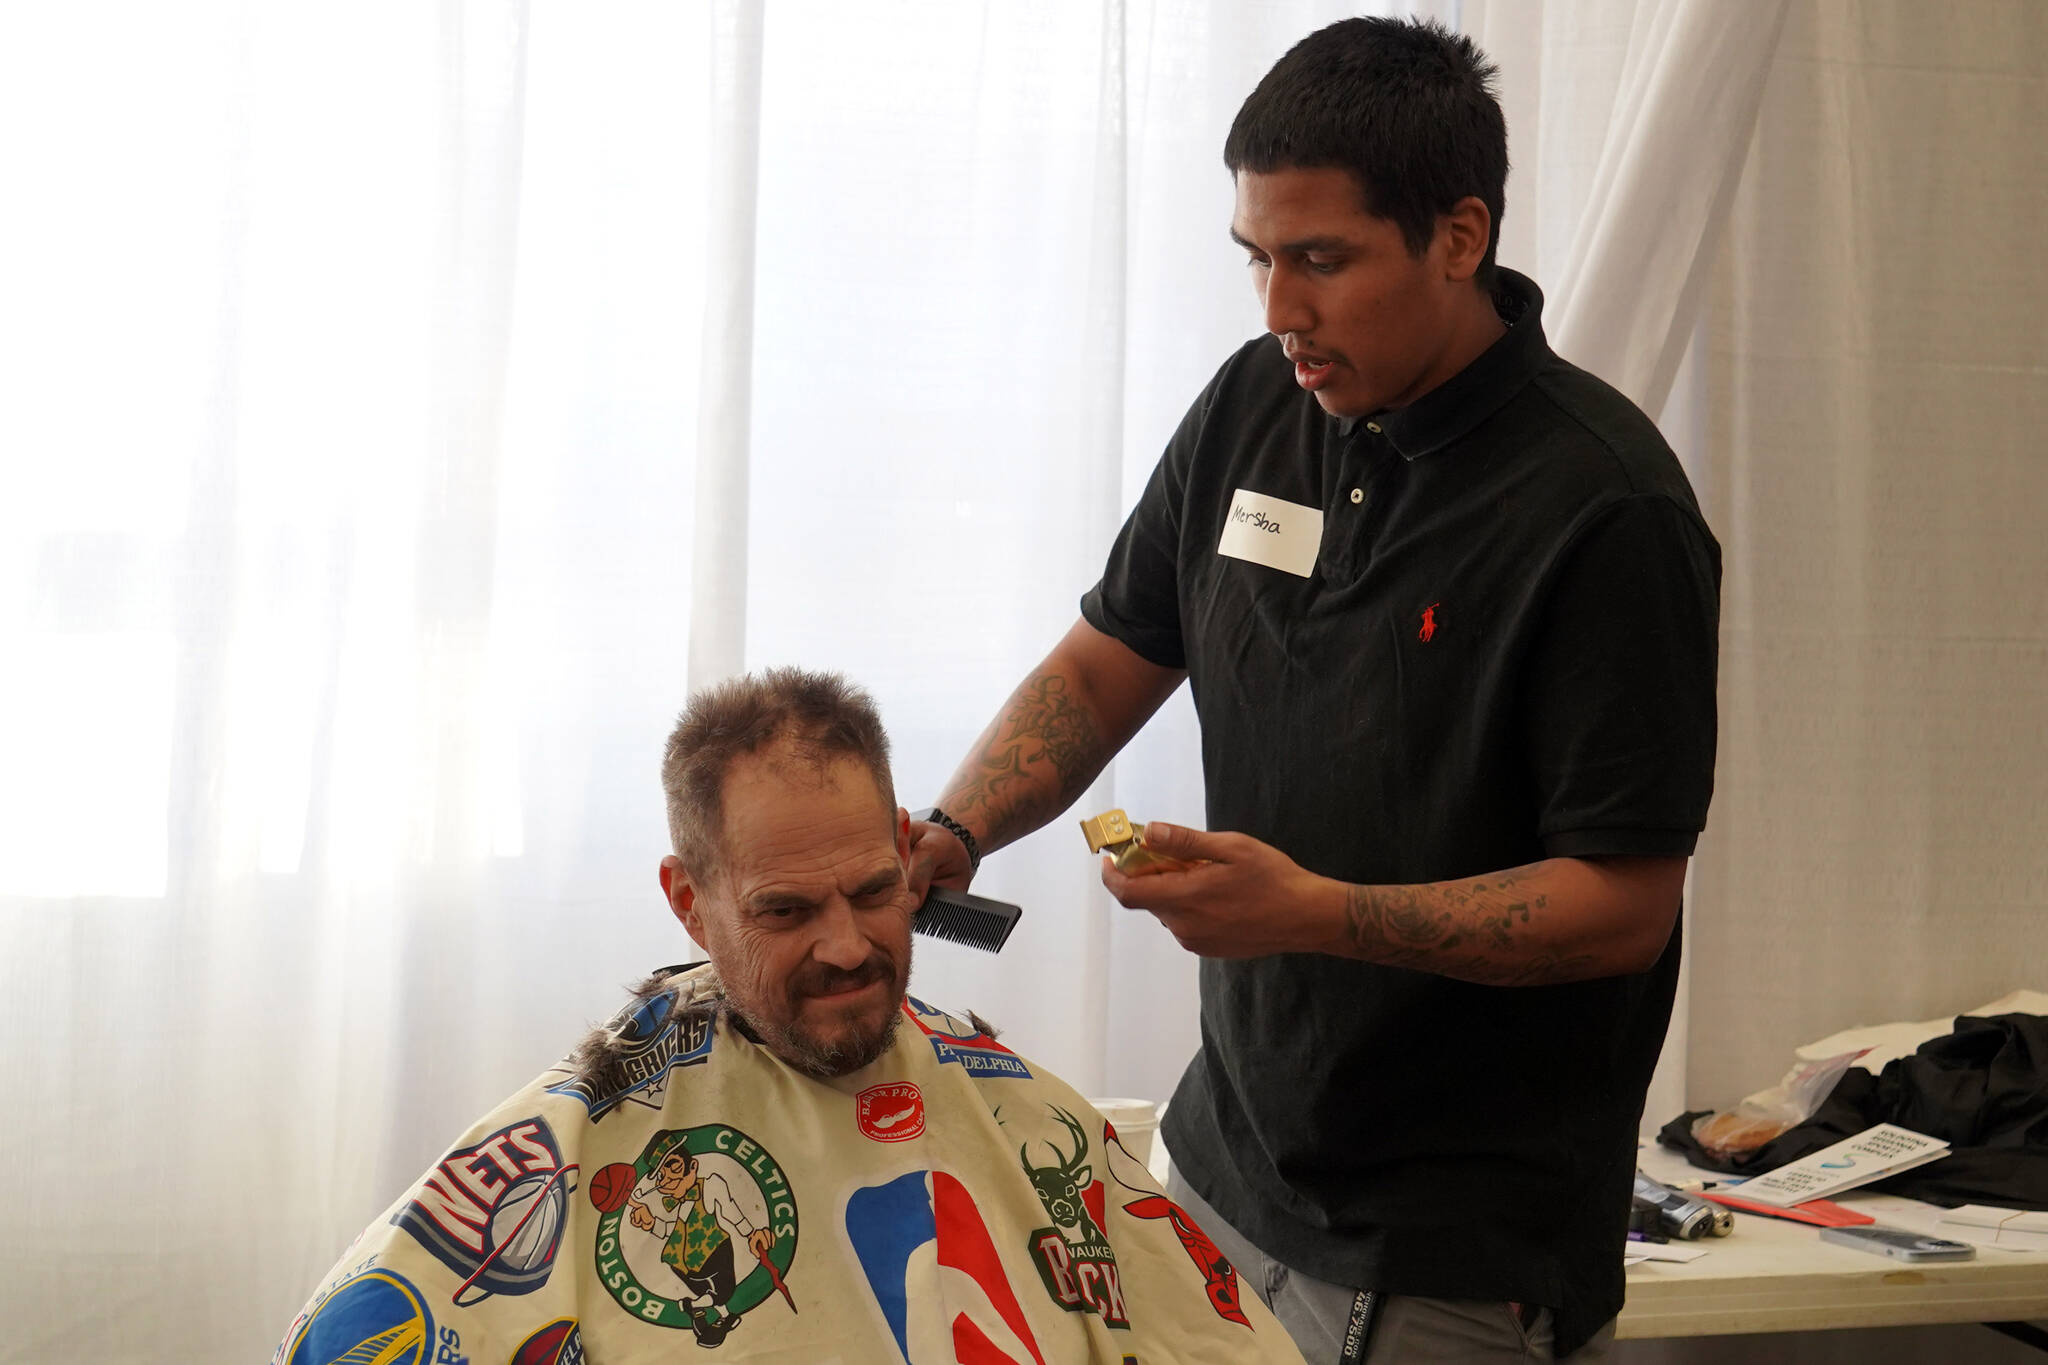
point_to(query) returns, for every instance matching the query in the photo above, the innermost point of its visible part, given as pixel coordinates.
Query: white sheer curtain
(1877, 475)
(401, 407)
(350, 363)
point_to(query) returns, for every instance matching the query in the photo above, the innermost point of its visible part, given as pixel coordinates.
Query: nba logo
(933, 1270)
(493, 1212)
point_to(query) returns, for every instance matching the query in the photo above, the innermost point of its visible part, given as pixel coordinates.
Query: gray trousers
(1405, 1331)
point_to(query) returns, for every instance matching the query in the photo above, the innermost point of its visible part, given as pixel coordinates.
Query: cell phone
(1899, 1244)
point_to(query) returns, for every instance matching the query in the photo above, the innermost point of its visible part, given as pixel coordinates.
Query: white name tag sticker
(1273, 532)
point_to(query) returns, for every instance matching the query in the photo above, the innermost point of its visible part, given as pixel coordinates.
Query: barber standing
(1448, 610)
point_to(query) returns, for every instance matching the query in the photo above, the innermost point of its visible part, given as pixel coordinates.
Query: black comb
(959, 917)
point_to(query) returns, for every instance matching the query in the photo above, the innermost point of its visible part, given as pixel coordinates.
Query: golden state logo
(375, 1316)
(493, 1212)
(697, 1232)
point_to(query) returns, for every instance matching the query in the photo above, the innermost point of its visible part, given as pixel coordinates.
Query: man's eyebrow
(778, 899)
(882, 880)
(1322, 244)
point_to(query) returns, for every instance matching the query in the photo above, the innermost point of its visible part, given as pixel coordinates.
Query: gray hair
(822, 714)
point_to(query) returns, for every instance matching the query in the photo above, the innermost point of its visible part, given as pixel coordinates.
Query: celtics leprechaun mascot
(696, 1217)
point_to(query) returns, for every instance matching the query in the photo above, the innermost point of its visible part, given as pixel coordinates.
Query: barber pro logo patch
(891, 1112)
(1262, 529)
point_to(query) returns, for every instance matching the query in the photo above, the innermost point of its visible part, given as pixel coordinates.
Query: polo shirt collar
(1474, 393)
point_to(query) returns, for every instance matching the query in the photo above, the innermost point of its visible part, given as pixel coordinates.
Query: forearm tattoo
(1034, 761)
(1477, 930)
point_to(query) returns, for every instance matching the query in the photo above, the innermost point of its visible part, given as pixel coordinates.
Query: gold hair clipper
(1113, 833)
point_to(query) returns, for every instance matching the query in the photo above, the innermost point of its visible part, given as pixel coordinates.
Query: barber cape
(674, 1188)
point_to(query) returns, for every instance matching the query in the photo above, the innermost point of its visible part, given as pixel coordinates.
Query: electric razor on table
(1113, 833)
(1682, 1215)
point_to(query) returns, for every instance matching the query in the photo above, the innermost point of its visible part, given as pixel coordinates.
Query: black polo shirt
(1499, 646)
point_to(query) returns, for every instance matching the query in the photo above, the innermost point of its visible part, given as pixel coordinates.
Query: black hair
(1407, 106)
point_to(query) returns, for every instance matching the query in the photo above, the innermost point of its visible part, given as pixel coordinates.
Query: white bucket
(1135, 1121)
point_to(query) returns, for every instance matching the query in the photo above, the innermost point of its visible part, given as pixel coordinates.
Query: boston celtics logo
(697, 1232)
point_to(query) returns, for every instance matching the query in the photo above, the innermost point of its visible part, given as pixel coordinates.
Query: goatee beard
(820, 1059)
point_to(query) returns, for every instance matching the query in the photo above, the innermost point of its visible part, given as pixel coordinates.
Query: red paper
(1820, 1212)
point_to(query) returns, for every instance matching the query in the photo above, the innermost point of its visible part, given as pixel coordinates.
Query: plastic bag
(1759, 1118)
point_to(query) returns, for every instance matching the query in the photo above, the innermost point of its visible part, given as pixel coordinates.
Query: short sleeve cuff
(1593, 843)
(1153, 646)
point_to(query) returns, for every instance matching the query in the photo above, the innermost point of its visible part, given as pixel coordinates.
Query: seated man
(780, 1155)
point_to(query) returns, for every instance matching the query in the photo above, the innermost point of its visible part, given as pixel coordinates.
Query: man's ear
(1463, 235)
(681, 890)
(903, 836)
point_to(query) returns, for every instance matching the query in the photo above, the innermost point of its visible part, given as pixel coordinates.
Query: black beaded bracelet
(932, 815)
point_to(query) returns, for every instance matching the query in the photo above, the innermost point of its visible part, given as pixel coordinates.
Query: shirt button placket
(1365, 448)
(1369, 451)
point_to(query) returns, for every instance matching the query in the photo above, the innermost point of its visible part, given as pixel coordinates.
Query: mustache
(819, 978)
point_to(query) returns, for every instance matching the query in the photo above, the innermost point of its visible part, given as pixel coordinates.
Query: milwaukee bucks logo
(1073, 1255)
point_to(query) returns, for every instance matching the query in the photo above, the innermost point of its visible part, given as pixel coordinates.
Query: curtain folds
(1676, 141)
(718, 565)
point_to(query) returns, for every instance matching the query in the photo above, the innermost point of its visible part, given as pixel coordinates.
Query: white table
(1773, 1275)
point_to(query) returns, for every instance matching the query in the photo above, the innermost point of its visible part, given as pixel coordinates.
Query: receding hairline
(792, 715)
(801, 762)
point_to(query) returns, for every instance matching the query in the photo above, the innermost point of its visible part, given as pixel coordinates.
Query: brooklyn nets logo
(493, 1212)
(696, 1233)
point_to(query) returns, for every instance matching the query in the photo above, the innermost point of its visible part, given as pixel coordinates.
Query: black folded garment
(1983, 1089)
